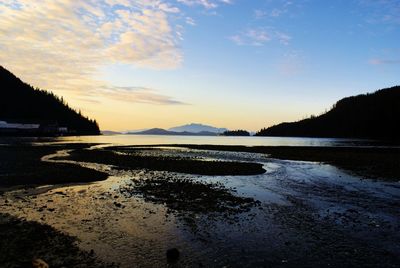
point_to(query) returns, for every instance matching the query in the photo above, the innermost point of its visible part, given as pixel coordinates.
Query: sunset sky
(134, 64)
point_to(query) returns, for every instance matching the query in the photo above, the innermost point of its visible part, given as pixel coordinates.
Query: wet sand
(295, 214)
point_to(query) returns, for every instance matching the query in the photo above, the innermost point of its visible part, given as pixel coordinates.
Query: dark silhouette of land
(374, 116)
(110, 132)
(196, 128)
(160, 131)
(235, 133)
(23, 104)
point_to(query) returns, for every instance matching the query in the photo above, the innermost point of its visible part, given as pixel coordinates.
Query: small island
(238, 132)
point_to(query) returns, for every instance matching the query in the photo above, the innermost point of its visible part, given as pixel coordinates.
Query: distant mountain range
(197, 128)
(375, 116)
(110, 132)
(160, 131)
(184, 130)
(25, 110)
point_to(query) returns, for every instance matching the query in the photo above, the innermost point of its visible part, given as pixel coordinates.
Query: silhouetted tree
(20, 102)
(239, 132)
(375, 115)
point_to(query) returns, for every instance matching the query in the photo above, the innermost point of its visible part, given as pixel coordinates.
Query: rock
(352, 211)
(173, 255)
(39, 263)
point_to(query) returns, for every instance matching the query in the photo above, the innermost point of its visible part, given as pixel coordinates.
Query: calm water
(214, 140)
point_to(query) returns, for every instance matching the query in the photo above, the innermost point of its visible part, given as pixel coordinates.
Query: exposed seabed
(295, 214)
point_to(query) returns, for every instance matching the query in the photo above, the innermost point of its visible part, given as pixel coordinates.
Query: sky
(239, 64)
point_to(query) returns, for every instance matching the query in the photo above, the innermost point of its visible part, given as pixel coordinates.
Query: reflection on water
(212, 140)
(220, 140)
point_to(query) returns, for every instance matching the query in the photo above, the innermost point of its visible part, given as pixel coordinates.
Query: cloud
(208, 4)
(381, 11)
(190, 21)
(61, 45)
(275, 12)
(252, 37)
(259, 37)
(291, 64)
(137, 95)
(283, 38)
(259, 14)
(383, 61)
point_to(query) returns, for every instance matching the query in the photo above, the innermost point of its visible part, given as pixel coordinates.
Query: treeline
(238, 132)
(21, 103)
(375, 116)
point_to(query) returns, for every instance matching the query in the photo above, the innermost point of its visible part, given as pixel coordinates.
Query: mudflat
(86, 205)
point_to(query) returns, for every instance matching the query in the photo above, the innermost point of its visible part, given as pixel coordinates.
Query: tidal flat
(125, 206)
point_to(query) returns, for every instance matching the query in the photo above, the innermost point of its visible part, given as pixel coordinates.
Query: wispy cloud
(274, 12)
(283, 38)
(291, 64)
(251, 37)
(381, 11)
(137, 95)
(259, 37)
(62, 44)
(259, 14)
(384, 61)
(208, 4)
(190, 21)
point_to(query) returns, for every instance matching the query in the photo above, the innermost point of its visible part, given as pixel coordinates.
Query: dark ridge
(160, 131)
(21, 103)
(239, 132)
(373, 116)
